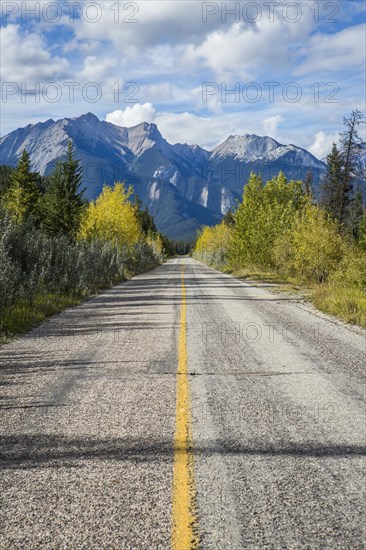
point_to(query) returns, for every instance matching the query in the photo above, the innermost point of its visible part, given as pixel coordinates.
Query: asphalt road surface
(184, 408)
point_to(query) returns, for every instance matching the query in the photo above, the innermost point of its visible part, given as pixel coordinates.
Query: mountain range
(184, 186)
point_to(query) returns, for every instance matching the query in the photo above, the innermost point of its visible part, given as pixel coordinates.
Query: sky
(200, 70)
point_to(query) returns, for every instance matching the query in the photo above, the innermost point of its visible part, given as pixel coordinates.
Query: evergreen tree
(5, 180)
(331, 187)
(350, 145)
(62, 203)
(229, 219)
(356, 212)
(362, 232)
(308, 183)
(146, 221)
(21, 197)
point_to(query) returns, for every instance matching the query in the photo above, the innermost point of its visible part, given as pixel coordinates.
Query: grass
(348, 303)
(23, 315)
(281, 283)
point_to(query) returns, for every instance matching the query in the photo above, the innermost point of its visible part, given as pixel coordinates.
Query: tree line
(279, 227)
(54, 243)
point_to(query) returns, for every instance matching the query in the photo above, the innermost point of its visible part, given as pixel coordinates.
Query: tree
(62, 202)
(362, 232)
(244, 242)
(5, 178)
(312, 247)
(350, 146)
(111, 217)
(331, 186)
(308, 183)
(356, 211)
(146, 221)
(229, 219)
(21, 198)
(213, 244)
(264, 215)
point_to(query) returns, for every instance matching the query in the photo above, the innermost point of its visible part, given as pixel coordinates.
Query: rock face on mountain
(184, 186)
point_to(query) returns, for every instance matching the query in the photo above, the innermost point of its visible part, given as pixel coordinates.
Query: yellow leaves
(312, 248)
(263, 216)
(156, 243)
(351, 272)
(20, 201)
(213, 244)
(15, 204)
(111, 217)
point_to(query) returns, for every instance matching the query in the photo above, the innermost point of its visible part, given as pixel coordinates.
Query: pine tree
(331, 187)
(62, 203)
(229, 219)
(21, 198)
(362, 232)
(350, 144)
(5, 180)
(356, 212)
(308, 183)
(146, 221)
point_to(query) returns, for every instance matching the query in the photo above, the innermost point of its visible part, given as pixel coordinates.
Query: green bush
(351, 271)
(33, 265)
(312, 248)
(262, 218)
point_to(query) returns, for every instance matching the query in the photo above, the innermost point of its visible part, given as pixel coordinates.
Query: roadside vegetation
(282, 233)
(56, 249)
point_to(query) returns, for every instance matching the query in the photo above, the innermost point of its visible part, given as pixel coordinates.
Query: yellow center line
(185, 526)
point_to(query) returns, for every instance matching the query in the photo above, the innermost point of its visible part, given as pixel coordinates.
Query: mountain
(183, 186)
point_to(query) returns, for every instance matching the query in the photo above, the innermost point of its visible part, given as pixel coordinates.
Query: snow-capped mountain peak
(184, 186)
(248, 147)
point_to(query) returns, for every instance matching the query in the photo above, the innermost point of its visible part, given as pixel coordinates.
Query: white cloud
(243, 50)
(161, 91)
(172, 37)
(332, 52)
(209, 131)
(97, 69)
(171, 52)
(131, 116)
(270, 125)
(322, 144)
(205, 131)
(170, 22)
(27, 58)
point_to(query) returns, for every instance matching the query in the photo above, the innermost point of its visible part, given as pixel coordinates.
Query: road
(184, 408)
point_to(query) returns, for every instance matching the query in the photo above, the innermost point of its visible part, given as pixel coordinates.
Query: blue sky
(295, 68)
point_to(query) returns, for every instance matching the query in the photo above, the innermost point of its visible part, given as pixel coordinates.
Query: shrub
(351, 271)
(213, 244)
(312, 248)
(32, 263)
(262, 218)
